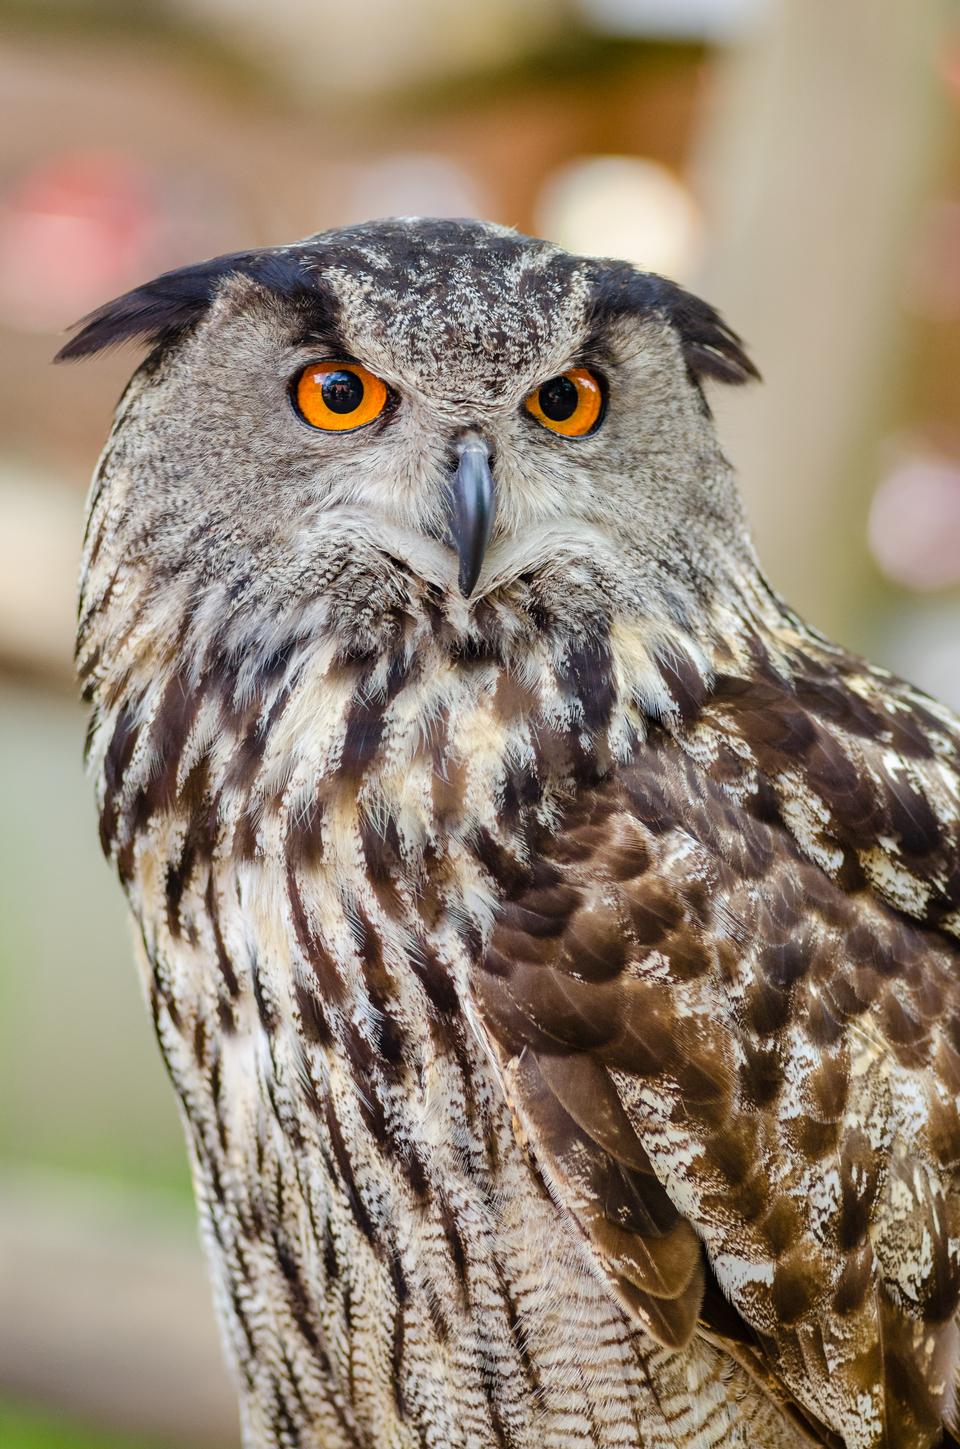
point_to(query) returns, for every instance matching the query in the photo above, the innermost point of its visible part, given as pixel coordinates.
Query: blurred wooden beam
(827, 135)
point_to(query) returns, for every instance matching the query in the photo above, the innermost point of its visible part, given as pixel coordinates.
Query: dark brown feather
(686, 1003)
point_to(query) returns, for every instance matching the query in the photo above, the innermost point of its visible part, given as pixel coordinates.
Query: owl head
(447, 402)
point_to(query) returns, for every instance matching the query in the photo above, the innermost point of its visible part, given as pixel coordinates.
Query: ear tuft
(158, 311)
(711, 349)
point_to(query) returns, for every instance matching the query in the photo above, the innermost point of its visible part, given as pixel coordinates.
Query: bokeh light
(412, 183)
(914, 521)
(718, 19)
(72, 230)
(623, 206)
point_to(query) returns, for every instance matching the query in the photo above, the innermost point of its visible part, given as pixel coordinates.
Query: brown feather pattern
(720, 1061)
(781, 1048)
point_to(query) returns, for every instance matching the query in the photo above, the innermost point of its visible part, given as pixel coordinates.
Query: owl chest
(389, 1265)
(377, 1230)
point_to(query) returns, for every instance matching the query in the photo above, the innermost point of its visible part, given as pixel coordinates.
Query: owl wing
(724, 1000)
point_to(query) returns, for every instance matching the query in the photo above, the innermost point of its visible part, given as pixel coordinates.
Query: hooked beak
(471, 509)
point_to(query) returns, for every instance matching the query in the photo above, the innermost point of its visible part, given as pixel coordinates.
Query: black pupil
(558, 399)
(342, 392)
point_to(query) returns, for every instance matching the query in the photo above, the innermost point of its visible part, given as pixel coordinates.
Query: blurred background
(797, 161)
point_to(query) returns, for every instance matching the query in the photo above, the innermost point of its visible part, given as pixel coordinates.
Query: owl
(551, 940)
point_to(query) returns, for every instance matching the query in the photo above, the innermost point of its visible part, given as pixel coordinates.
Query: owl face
(449, 398)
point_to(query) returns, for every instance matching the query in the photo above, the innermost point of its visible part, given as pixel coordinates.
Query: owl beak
(471, 509)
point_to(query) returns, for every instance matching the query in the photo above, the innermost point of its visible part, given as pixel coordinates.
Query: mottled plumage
(560, 983)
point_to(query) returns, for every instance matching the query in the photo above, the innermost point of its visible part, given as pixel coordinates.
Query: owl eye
(338, 396)
(571, 404)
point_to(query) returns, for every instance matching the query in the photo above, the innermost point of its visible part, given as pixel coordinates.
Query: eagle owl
(552, 941)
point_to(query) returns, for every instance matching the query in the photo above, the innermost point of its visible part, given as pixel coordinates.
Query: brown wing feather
(727, 1010)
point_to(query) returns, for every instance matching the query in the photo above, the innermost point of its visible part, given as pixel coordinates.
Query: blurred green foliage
(24, 1428)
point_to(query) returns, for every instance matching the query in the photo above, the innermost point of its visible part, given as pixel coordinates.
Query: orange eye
(338, 396)
(570, 404)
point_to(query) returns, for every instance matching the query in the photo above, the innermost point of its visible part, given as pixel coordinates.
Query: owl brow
(325, 341)
(595, 351)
